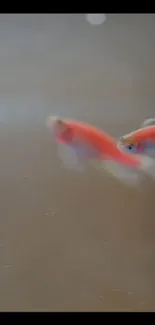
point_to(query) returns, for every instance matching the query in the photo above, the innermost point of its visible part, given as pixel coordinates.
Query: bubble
(96, 19)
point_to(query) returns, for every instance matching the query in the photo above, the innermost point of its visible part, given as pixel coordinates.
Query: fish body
(141, 142)
(94, 142)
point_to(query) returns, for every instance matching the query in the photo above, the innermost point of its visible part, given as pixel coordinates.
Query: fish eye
(130, 146)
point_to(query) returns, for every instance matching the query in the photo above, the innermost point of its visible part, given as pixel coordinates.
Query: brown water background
(73, 241)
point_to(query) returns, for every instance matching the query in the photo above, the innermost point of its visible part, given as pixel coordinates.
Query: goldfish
(90, 143)
(141, 140)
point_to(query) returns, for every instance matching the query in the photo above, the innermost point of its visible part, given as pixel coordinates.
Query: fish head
(129, 144)
(60, 129)
(126, 141)
(57, 125)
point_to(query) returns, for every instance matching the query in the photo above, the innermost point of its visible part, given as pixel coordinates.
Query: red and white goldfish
(141, 141)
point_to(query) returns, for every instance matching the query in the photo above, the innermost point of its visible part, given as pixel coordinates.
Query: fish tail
(127, 159)
(141, 163)
(128, 168)
(125, 175)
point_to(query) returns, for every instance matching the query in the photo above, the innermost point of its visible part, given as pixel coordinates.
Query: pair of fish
(88, 143)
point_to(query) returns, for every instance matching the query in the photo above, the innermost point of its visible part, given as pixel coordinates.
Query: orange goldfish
(139, 141)
(90, 142)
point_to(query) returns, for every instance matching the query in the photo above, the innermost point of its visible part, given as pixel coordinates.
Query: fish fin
(127, 176)
(69, 158)
(147, 165)
(148, 122)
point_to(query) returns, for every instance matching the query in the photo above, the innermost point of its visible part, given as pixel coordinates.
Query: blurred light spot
(96, 19)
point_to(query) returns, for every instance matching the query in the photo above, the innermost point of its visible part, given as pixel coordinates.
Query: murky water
(71, 241)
